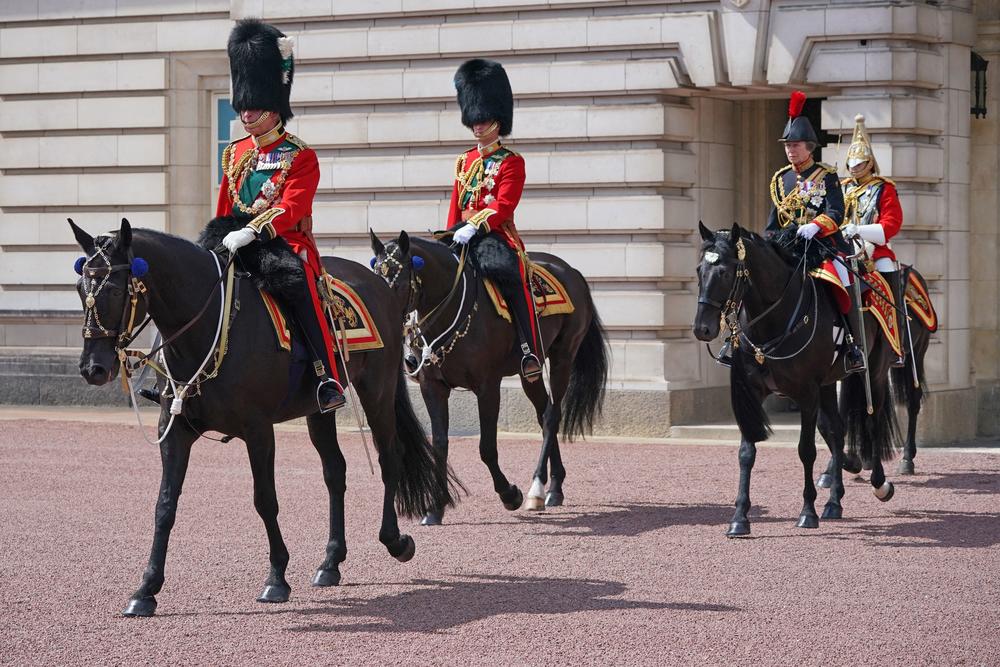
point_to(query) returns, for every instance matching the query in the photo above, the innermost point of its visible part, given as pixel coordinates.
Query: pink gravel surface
(633, 570)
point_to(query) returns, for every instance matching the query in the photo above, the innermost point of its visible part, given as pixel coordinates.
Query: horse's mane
(785, 243)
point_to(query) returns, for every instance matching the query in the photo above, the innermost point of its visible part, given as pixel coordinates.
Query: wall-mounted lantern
(978, 85)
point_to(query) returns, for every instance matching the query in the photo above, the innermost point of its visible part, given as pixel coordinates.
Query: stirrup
(859, 364)
(725, 355)
(531, 367)
(333, 401)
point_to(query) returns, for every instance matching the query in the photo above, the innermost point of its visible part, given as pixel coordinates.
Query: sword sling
(909, 334)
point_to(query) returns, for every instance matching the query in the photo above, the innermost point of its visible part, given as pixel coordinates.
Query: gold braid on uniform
(788, 207)
(476, 172)
(236, 173)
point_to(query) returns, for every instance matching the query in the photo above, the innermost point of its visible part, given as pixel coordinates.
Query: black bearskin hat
(484, 94)
(261, 63)
(798, 127)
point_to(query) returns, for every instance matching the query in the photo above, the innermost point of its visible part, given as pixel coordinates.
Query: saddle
(549, 294)
(277, 273)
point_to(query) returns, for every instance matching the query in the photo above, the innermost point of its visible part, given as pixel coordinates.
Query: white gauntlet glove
(808, 231)
(850, 230)
(464, 234)
(236, 240)
(871, 233)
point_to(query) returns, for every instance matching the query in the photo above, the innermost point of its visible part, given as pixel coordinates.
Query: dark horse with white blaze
(471, 346)
(786, 346)
(257, 386)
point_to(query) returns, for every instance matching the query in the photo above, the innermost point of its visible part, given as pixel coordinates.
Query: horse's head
(397, 266)
(717, 271)
(110, 291)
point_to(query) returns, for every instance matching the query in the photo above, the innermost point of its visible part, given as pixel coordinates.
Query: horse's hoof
(275, 593)
(534, 504)
(905, 467)
(516, 498)
(853, 465)
(432, 519)
(833, 512)
(554, 499)
(825, 481)
(807, 521)
(885, 492)
(739, 529)
(326, 578)
(140, 607)
(409, 548)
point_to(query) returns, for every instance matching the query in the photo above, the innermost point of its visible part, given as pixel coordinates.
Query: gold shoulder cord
(465, 177)
(236, 173)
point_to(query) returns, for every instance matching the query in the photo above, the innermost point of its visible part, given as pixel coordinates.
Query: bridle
(390, 267)
(733, 306)
(94, 280)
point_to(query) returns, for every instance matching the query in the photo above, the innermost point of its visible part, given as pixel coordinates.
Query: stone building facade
(636, 118)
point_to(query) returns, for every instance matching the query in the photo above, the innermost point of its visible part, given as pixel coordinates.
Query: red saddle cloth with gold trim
(919, 303)
(879, 302)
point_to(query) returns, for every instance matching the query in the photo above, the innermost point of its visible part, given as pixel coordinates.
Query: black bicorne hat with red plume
(262, 66)
(798, 127)
(484, 94)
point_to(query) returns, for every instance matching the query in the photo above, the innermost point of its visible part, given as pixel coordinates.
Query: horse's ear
(735, 233)
(377, 246)
(404, 242)
(85, 240)
(706, 233)
(124, 235)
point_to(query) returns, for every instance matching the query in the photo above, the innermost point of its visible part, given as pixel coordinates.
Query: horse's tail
(755, 425)
(587, 380)
(427, 481)
(868, 435)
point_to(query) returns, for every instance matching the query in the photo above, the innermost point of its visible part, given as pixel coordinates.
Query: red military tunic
(488, 183)
(875, 201)
(271, 189)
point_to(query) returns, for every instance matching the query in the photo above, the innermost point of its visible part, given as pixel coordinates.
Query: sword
(861, 326)
(909, 334)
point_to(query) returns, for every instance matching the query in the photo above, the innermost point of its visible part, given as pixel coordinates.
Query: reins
(734, 306)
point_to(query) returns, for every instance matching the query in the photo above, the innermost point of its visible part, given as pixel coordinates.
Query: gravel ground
(633, 570)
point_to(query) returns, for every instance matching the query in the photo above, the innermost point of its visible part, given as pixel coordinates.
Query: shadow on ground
(438, 606)
(963, 483)
(935, 528)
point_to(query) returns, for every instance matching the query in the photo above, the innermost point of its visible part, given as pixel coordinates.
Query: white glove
(871, 233)
(808, 231)
(236, 240)
(850, 230)
(464, 234)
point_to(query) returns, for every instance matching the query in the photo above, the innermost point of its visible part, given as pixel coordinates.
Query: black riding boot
(893, 278)
(854, 360)
(329, 393)
(531, 366)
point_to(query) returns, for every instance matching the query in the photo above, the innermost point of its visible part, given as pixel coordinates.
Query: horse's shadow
(936, 528)
(438, 606)
(963, 483)
(634, 519)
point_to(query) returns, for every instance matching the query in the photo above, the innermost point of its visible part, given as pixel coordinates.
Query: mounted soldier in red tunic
(807, 193)
(873, 213)
(270, 178)
(489, 179)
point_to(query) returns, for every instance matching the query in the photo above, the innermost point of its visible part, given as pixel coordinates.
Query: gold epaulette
(828, 168)
(291, 138)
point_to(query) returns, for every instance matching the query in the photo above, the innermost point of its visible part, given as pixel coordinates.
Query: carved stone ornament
(739, 4)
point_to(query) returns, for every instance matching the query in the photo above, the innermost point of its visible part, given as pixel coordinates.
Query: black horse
(470, 346)
(786, 345)
(909, 388)
(257, 385)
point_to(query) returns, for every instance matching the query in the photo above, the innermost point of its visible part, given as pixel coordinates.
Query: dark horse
(470, 346)
(786, 346)
(257, 386)
(909, 387)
